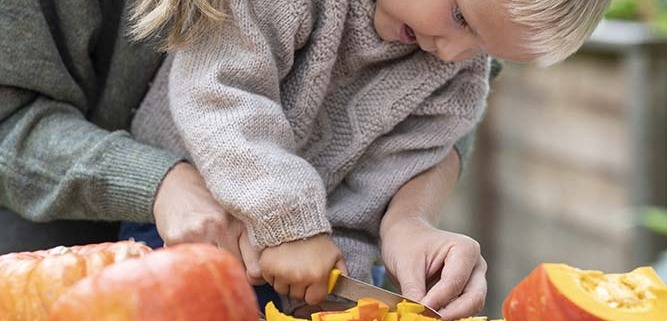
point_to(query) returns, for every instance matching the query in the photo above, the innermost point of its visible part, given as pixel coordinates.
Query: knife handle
(333, 277)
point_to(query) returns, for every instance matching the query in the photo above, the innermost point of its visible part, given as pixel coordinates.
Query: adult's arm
(443, 270)
(454, 279)
(54, 163)
(420, 156)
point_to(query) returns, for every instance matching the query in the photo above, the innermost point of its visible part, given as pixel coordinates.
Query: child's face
(453, 30)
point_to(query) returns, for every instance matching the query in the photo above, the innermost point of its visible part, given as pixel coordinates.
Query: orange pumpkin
(193, 282)
(30, 282)
(558, 292)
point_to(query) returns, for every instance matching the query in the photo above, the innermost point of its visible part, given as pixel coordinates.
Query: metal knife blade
(353, 289)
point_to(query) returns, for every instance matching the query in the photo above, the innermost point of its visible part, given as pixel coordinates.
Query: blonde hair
(556, 28)
(176, 22)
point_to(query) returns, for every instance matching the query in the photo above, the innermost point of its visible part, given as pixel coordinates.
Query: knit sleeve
(225, 99)
(416, 144)
(54, 163)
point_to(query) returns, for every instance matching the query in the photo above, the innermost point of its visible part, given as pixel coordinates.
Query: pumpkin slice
(558, 292)
(367, 309)
(405, 308)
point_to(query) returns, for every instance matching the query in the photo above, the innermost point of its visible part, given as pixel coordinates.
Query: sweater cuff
(132, 174)
(287, 222)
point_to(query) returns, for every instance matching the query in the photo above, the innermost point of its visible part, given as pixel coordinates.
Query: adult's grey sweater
(69, 82)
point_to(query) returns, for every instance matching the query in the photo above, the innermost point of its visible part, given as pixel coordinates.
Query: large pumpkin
(558, 292)
(30, 282)
(189, 282)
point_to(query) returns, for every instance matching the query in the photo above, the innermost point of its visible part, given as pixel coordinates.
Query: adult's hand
(440, 269)
(186, 212)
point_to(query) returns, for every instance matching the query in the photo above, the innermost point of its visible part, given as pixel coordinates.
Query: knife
(352, 289)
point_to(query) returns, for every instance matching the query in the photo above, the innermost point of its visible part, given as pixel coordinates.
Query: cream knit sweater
(302, 121)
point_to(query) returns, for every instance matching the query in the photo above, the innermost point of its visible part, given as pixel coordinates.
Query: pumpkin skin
(558, 292)
(193, 282)
(30, 282)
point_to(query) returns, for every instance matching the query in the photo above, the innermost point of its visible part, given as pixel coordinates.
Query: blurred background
(571, 161)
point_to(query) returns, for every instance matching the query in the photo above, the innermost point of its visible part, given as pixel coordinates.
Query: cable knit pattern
(302, 120)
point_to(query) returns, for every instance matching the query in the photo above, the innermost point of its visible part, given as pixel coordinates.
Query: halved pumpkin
(558, 292)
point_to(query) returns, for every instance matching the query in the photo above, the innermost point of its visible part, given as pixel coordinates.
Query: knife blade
(353, 289)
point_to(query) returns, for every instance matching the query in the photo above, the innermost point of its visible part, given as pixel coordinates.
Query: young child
(306, 118)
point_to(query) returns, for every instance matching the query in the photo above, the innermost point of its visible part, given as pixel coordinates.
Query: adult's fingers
(412, 280)
(471, 301)
(454, 277)
(250, 258)
(230, 246)
(228, 240)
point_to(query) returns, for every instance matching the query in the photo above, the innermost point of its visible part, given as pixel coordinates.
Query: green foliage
(660, 22)
(653, 12)
(654, 219)
(623, 10)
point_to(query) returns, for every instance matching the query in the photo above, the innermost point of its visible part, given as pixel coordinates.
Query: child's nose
(457, 50)
(426, 43)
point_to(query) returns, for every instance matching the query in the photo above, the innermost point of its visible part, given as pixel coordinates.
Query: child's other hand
(186, 212)
(417, 255)
(300, 269)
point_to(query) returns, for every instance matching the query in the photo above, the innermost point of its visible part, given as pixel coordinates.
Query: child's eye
(458, 17)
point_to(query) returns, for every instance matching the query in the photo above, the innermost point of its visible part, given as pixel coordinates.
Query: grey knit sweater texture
(67, 95)
(303, 121)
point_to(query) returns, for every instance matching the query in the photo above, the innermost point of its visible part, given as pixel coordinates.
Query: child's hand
(186, 212)
(417, 255)
(301, 268)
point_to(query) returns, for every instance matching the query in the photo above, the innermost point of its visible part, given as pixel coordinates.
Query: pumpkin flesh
(558, 292)
(367, 309)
